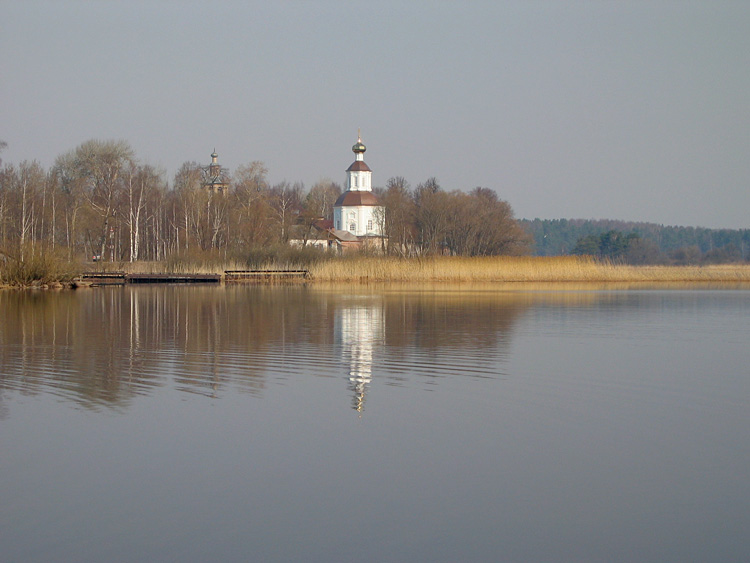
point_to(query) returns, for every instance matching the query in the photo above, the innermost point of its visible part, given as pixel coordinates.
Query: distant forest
(638, 243)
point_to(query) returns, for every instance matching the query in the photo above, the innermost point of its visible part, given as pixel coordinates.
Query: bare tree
(286, 203)
(187, 182)
(480, 224)
(318, 204)
(432, 216)
(397, 216)
(252, 210)
(31, 180)
(100, 165)
(140, 182)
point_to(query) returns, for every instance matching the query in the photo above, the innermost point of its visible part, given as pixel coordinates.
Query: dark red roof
(356, 198)
(323, 224)
(358, 166)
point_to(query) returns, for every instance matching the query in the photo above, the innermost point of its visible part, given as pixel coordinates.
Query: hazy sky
(619, 110)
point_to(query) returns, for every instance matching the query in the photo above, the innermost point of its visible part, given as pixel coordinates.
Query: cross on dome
(359, 148)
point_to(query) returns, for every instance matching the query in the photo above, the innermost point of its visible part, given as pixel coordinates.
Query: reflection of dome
(360, 388)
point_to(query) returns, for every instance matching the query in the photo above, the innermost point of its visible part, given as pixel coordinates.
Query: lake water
(171, 423)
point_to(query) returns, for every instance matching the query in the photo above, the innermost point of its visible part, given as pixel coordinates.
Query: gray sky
(618, 110)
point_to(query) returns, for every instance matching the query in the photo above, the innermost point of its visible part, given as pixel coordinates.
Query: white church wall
(363, 218)
(359, 181)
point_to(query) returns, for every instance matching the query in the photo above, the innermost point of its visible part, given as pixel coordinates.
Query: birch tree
(101, 164)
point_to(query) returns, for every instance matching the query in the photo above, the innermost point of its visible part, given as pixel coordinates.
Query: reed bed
(404, 271)
(38, 270)
(516, 269)
(177, 267)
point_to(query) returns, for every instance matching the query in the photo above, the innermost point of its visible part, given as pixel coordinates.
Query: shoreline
(364, 270)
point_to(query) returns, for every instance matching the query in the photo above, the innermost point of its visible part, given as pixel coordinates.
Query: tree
(252, 209)
(321, 197)
(686, 256)
(286, 200)
(588, 245)
(398, 216)
(481, 224)
(643, 251)
(31, 180)
(22, 197)
(141, 181)
(497, 231)
(318, 204)
(187, 182)
(432, 216)
(100, 165)
(612, 245)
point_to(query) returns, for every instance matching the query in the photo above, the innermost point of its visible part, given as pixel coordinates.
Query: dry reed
(516, 269)
(38, 268)
(445, 270)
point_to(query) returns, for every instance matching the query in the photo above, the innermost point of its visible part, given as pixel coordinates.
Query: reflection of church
(359, 329)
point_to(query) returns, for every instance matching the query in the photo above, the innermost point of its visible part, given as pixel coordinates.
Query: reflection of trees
(106, 346)
(397, 336)
(433, 335)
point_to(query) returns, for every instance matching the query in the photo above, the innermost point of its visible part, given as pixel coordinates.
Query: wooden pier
(121, 278)
(104, 278)
(257, 276)
(173, 278)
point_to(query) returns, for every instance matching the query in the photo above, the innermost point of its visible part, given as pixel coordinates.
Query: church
(357, 210)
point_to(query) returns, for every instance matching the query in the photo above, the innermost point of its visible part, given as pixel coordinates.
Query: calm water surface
(307, 424)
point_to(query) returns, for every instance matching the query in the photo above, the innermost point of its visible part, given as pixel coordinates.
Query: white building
(357, 210)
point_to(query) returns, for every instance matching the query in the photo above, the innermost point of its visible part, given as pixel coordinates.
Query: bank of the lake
(517, 269)
(444, 269)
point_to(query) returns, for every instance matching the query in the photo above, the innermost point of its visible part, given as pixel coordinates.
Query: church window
(369, 225)
(353, 227)
(338, 225)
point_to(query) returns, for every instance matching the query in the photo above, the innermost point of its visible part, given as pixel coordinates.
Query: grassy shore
(373, 269)
(441, 270)
(38, 270)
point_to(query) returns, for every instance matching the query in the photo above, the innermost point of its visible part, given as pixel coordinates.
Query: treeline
(637, 242)
(430, 220)
(99, 202)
